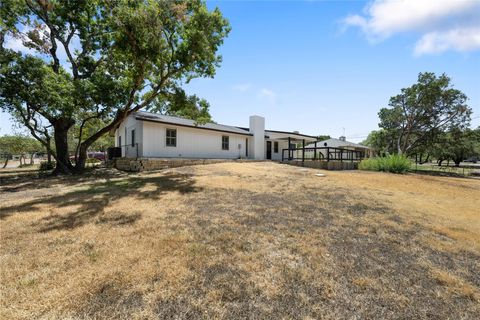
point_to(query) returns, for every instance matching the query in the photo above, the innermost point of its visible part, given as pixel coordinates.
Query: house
(336, 145)
(151, 135)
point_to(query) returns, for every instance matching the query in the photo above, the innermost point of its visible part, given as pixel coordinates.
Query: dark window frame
(119, 141)
(171, 140)
(132, 136)
(275, 146)
(225, 143)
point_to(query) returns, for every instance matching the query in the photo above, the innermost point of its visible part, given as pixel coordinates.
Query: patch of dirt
(240, 241)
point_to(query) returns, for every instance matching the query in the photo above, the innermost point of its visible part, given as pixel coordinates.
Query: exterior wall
(282, 144)
(191, 143)
(125, 132)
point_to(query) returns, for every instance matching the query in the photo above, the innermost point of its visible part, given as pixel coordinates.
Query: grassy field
(237, 241)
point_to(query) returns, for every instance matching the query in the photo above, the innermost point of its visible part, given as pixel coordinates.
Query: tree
(121, 56)
(423, 110)
(381, 141)
(21, 145)
(323, 137)
(457, 145)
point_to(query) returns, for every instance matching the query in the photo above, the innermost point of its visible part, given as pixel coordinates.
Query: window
(119, 141)
(275, 146)
(171, 140)
(225, 142)
(133, 138)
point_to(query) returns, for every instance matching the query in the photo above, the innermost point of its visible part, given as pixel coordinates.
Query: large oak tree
(103, 59)
(422, 111)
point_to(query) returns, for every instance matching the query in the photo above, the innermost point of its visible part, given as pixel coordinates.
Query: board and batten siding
(125, 132)
(277, 156)
(191, 143)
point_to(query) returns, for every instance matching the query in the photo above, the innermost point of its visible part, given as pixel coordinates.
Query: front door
(269, 150)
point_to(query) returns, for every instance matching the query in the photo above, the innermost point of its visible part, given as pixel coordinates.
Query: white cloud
(16, 44)
(268, 94)
(463, 39)
(444, 24)
(242, 87)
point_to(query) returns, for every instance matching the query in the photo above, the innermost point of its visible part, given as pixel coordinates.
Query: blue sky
(321, 66)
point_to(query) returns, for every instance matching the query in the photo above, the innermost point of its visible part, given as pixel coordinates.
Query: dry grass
(246, 240)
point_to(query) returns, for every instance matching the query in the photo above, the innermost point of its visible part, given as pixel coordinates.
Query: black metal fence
(322, 154)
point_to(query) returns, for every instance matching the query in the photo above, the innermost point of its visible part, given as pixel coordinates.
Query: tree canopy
(103, 60)
(423, 110)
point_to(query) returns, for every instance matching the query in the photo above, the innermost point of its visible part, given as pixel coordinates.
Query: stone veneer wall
(330, 165)
(138, 165)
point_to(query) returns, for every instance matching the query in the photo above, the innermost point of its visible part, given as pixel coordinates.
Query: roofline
(295, 133)
(189, 126)
(352, 144)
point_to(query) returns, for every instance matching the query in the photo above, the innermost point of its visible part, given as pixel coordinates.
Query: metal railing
(322, 154)
(128, 150)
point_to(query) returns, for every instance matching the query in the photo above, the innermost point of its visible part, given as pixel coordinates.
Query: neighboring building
(342, 143)
(150, 135)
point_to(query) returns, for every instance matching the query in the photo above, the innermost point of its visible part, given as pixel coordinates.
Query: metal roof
(154, 117)
(340, 142)
(161, 118)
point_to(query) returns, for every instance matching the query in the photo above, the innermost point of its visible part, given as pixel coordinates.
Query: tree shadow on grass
(96, 197)
(13, 182)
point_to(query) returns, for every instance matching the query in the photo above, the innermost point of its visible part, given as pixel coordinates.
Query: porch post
(289, 144)
(303, 150)
(315, 152)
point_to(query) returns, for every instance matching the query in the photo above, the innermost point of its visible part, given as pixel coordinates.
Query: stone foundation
(330, 165)
(138, 165)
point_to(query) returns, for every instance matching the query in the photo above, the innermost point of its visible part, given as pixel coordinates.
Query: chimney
(257, 145)
(342, 138)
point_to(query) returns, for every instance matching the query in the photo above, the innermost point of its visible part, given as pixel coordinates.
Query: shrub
(45, 166)
(392, 163)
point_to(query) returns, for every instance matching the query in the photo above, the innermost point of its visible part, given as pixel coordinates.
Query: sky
(327, 67)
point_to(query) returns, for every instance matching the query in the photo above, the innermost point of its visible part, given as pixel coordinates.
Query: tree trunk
(61, 127)
(427, 159)
(82, 158)
(6, 162)
(31, 158)
(49, 157)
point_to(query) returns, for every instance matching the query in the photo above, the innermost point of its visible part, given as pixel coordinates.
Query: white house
(151, 135)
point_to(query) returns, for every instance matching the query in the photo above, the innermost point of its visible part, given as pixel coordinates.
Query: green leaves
(420, 111)
(104, 59)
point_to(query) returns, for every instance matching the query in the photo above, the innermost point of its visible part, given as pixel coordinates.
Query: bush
(392, 163)
(45, 166)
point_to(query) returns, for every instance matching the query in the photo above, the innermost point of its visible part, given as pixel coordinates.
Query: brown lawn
(239, 240)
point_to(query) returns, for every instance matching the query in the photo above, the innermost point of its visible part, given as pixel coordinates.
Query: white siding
(282, 144)
(125, 132)
(191, 143)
